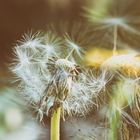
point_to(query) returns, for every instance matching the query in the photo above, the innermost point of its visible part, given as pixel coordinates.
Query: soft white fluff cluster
(50, 76)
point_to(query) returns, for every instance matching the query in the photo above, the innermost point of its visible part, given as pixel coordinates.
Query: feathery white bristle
(48, 80)
(74, 47)
(99, 82)
(79, 102)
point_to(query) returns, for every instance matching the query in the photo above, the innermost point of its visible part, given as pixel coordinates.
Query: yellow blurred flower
(126, 61)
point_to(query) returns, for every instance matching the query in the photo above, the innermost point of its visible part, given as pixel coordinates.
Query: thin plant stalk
(55, 125)
(114, 114)
(114, 122)
(115, 40)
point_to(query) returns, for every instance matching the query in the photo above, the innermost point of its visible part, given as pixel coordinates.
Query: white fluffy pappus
(49, 80)
(98, 82)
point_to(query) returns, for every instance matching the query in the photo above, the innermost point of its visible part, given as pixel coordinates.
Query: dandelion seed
(74, 47)
(109, 25)
(107, 20)
(98, 83)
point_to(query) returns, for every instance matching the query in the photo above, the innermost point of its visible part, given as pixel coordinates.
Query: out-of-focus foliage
(15, 124)
(11, 116)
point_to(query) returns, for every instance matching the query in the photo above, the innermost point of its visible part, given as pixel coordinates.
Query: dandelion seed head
(60, 85)
(128, 64)
(48, 80)
(104, 18)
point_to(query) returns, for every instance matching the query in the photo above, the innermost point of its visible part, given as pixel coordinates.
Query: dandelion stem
(114, 124)
(55, 125)
(115, 40)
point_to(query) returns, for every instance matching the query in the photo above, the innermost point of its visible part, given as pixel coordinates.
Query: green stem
(55, 125)
(115, 40)
(114, 126)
